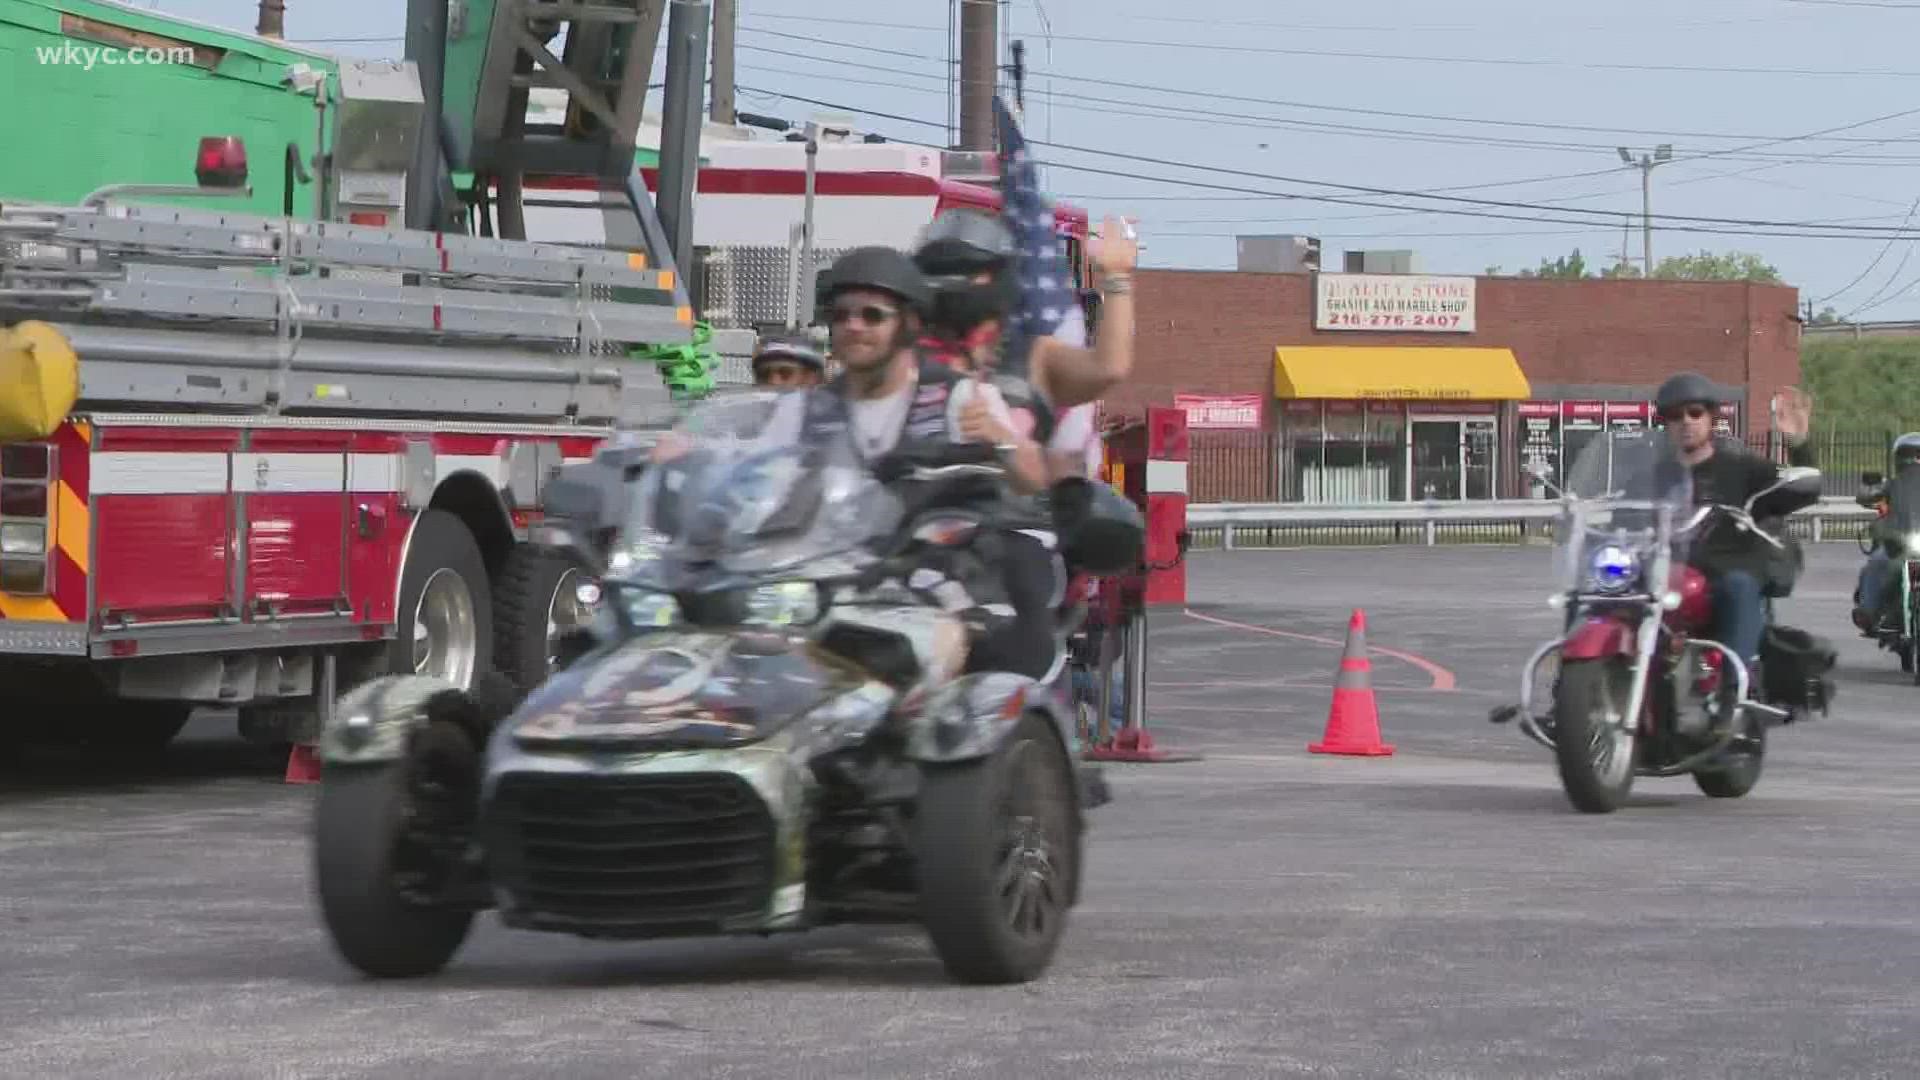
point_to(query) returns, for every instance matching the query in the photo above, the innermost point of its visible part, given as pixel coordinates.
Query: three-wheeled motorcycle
(768, 726)
(1642, 689)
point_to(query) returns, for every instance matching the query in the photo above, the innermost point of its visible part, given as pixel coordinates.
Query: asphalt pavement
(1258, 912)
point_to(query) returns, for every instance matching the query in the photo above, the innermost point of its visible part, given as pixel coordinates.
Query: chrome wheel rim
(565, 613)
(445, 632)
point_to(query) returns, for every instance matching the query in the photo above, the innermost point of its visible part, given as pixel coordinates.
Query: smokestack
(979, 71)
(273, 19)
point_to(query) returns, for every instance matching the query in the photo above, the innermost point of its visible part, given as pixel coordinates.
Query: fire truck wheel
(534, 604)
(446, 607)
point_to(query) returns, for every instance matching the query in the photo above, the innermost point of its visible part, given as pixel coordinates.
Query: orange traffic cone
(303, 765)
(1353, 721)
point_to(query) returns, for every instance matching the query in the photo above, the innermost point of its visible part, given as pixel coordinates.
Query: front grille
(632, 855)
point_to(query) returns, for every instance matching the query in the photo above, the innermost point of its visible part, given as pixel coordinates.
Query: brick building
(1340, 401)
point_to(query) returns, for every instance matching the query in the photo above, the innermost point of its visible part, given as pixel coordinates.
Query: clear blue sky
(1277, 88)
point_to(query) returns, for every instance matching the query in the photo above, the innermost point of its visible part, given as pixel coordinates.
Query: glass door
(1434, 460)
(1479, 458)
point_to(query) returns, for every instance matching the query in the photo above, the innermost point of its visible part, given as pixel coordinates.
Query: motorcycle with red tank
(1642, 689)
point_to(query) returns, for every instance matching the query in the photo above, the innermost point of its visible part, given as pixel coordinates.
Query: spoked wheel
(388, 843)
(1738, 768)
(999, 857)
(1595, 750)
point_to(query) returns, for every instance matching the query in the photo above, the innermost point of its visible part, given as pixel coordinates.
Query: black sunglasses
(868, 314)
(1690, 412)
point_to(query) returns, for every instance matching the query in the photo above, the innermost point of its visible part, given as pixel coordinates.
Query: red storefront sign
(1232, 412)
(1628, 415)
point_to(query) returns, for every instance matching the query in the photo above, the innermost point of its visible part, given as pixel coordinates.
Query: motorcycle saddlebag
(1794, 664)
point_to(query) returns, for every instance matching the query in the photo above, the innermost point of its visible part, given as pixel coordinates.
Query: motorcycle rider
(1736, 563)
(971, 257)
(890, 399)
(788, 361)
(1870, 592)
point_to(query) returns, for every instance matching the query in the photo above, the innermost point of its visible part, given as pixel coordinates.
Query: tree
(1827, 317)
(1706, 266)
(1700, 266)
(1566, 266)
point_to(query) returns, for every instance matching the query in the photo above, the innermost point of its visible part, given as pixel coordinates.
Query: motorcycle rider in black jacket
(1739, 565)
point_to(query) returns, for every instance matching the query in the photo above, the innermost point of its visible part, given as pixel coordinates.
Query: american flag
(1046, 281)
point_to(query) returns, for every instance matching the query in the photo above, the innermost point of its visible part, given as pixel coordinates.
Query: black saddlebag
(1794, 664)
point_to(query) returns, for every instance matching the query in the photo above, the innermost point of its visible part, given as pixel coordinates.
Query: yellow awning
(1407, 373)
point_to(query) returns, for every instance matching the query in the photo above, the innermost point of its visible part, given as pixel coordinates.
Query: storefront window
(1343, 471)
(1539, 446)
(1386, 451)
(1303, 449)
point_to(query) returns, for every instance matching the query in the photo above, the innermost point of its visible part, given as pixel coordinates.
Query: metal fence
(1227, 526)
(1262, 466)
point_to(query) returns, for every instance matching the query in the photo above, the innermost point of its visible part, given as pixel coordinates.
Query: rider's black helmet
(958, 247)
(1906, 450)
(1687, 388)
(881, 269)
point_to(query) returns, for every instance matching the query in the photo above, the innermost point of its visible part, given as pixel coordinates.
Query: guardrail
(1229, 526)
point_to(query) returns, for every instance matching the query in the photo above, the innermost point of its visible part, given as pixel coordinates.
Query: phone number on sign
(1443, 321)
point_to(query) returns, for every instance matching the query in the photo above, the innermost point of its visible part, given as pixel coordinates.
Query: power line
(1784, 229)
(1858, 3)
(1824, 136)
(1876, 260)
(1272, 123)
(1270, 25)
(1337, 54)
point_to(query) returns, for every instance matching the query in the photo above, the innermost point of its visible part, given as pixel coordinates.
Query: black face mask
(960, 307)
(960, 310)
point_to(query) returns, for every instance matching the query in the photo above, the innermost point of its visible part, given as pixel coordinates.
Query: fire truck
(259, 441)
(249, 459)
(754, 259)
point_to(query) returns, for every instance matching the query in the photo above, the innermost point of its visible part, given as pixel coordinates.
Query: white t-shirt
(878, 422)
(1074, 433)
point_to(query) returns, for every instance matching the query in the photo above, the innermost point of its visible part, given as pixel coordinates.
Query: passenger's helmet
(965, 242)
(959, 246)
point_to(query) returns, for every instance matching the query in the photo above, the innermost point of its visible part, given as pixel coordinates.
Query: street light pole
(1645, 163)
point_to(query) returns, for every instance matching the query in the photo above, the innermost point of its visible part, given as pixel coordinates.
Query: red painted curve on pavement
(1443, 679)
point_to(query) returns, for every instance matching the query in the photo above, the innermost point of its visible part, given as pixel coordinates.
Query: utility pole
(1645, 163)
(273, 19)
(726, 15)
(979, 71)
